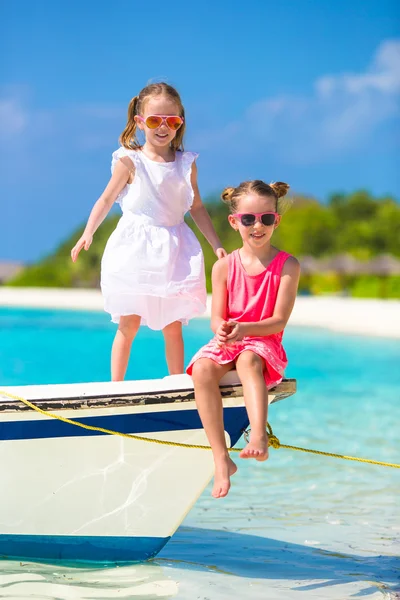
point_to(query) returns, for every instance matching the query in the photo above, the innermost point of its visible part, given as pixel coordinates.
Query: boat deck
(172, 389)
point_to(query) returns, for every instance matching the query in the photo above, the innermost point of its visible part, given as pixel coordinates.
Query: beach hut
(345, 267)
(343, 264)
(309, 266)
(383, 265)
(8, 270)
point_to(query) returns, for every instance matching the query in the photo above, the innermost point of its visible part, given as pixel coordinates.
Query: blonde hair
(276, 190)
(128, 138)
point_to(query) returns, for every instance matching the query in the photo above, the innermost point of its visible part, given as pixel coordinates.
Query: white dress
(153, 265)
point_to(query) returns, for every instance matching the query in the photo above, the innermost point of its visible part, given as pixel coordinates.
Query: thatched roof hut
(384, 264)
(344, 264)
(309, 265)
(8, 270)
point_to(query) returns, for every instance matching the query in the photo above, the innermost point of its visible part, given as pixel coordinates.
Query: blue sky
(304, 91)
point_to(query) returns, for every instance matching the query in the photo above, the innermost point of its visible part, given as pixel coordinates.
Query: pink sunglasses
(248, 219)
(173, 122)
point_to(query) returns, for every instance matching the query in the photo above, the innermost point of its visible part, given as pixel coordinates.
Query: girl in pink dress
(254, 290)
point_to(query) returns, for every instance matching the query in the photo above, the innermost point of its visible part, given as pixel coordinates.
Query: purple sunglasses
(248, 219)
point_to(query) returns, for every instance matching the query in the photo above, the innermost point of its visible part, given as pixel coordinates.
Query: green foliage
(358, 224)
(327, 283)
(308, 228)
(366, 226)
(376, 287)
(50, 273)
(58, 270)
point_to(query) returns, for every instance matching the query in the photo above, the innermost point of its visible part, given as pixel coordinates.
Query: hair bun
(227, 194)
(280, 188)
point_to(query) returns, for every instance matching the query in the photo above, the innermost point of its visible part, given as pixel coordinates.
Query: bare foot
(224, 470)
(256, 448)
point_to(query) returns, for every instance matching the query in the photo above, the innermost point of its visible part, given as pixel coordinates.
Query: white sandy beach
(349, 315)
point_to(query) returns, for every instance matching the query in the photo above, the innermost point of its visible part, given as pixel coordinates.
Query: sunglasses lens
(268, 220)
(153, 122)
(174, 123)
(248, 220)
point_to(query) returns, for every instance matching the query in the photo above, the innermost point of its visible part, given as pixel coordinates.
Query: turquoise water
(297, 526)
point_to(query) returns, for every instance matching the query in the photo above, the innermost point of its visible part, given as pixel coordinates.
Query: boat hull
(70, 493)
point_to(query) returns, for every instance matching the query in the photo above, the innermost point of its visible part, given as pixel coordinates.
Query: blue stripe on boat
(80, 548)
(235, 419)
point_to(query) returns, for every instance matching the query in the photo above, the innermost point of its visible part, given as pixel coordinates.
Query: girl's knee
(203, 370)
(129, 326)
(250, 360)
(173, 330)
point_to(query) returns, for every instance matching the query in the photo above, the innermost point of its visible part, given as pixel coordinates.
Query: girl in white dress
(152, 271)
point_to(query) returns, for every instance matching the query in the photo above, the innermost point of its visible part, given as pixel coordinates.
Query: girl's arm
(219, 277)
(202, 219)
(283, 307)
(219, 324)
(122, 174)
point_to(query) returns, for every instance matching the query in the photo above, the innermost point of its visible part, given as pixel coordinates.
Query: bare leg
(174, 347)
(127, 330)
(206, 376)
(250, 368)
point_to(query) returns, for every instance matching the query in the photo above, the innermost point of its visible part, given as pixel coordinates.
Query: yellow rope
(272, 439)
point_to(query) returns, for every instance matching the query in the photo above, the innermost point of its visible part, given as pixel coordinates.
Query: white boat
(81, 495)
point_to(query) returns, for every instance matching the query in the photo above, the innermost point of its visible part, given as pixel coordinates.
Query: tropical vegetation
(357, 224)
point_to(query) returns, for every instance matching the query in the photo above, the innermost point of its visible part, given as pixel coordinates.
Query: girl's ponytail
(227, 195)
(128, 138)
(280, 188)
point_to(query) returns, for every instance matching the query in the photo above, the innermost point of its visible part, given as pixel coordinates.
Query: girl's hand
(83, 242)
(220, 253)
(237, 332)
(222, 334)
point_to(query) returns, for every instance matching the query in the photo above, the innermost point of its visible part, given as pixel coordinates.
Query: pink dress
(251, 298)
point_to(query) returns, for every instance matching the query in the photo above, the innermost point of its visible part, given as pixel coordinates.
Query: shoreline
(347, 315)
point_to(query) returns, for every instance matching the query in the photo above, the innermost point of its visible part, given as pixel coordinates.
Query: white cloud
(13, 116)
(83, 126)
(353, 105)
(382, 76)
(341, 113)
(22, 125)
(50, 136)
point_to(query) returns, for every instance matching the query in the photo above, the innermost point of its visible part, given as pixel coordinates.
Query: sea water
(297, 526)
